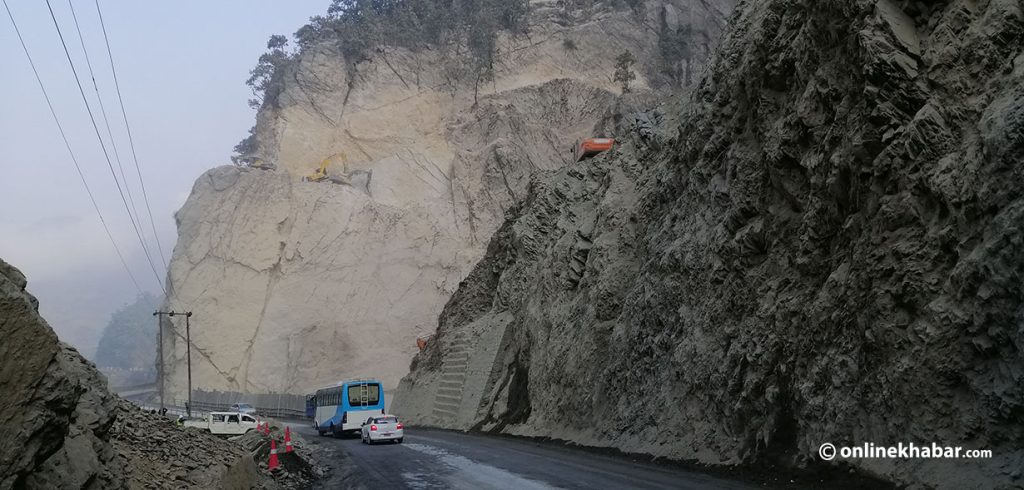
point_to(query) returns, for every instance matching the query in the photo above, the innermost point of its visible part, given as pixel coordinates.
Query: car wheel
(398, 441)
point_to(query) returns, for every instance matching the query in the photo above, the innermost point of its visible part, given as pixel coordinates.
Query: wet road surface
(429, 459)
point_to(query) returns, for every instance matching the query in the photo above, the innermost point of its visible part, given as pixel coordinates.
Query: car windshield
(244, 405)
(385, 420)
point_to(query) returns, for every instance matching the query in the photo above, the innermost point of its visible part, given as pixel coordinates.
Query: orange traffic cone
(273, 465)
(287, 439)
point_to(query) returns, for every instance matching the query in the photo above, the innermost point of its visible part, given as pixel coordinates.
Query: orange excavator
(591, 147)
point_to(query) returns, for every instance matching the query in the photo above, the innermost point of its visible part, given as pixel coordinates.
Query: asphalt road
(441, 459)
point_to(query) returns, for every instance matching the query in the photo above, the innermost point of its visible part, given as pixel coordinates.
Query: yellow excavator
(320, 174)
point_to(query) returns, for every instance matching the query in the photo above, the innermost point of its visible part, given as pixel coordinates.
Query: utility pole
(160, 354)
(188, 350)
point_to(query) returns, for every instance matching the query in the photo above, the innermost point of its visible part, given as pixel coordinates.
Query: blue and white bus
(343, 407)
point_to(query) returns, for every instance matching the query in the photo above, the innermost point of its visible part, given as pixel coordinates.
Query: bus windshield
(363, 394)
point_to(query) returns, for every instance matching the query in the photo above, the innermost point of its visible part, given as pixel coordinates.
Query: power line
(131, 141)
(106, 121)
(106, 155)
(68, 146)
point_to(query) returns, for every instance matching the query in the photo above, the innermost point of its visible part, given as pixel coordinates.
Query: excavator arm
(320, 174)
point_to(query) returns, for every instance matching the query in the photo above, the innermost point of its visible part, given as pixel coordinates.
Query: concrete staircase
(453, 379)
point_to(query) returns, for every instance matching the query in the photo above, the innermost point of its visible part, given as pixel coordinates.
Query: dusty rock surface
(296, 285)
(830, 251)
(62, 428)
(55, 413)
(159, 454)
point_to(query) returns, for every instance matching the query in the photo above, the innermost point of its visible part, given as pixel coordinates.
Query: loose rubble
(298, 469)
(159, 454)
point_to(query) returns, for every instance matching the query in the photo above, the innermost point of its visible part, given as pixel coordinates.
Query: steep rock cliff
(54, 409)
(63, 429)
(831, 251)
(297, 284)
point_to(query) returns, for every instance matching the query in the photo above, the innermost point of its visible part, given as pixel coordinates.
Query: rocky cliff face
(62, 429)
(298, 284)
(830, 251)
(54, 410)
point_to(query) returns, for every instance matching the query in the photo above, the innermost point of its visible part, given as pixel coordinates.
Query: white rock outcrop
(295, 284)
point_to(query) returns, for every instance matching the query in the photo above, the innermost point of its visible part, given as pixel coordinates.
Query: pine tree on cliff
(267, 79)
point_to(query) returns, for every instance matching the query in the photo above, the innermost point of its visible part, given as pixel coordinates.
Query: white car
(382, 428)
(224, 423)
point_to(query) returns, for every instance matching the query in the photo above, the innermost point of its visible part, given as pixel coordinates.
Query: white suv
(383, 428)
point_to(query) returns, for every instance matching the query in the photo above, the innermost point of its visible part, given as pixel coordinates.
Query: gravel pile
(159, 454)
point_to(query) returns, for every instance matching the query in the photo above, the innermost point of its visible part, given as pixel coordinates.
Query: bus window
(364, 394)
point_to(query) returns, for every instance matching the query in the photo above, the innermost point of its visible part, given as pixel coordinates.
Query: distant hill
(127, 348)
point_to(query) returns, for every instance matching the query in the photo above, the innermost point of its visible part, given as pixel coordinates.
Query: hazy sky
(181, 66)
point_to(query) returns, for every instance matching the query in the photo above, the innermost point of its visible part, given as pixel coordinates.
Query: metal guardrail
(202, 408)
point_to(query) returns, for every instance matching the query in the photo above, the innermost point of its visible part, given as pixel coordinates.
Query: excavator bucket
(593, 146)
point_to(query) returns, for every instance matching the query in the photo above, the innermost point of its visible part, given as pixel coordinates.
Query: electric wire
(67, 145)
(106, 155)
(106, 121)
(131, 140)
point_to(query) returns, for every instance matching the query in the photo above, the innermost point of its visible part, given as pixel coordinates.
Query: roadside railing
(273, 405)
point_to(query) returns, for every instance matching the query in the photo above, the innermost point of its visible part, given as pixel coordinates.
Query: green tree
(624, 70)
(467, 29)
(129, 340)
(247, 147)
(267, 79)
